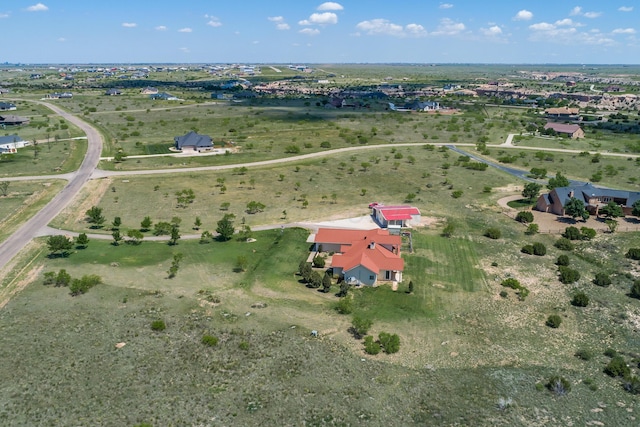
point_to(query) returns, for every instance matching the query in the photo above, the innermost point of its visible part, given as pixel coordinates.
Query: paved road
(18, 240)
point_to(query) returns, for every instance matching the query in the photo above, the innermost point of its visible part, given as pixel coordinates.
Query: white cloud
(387, 28)
(4, 15)
(523, 15)
(39, 7)
(569, 35)
(565, 22)
(576, 11)
(324, 18)
(161, 28)
(310, 31)
(214, 23)
(491, 31)
(62, 39)
(625, 8)
(445, 6)
(330, 5)
(624, 31)
(129, 24)
(279, 21)
(542, 26)
(185, 30)
(185, 49)
(449, 27)
(592, 14)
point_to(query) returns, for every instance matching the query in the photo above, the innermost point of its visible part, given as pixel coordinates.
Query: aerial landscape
(320, 214)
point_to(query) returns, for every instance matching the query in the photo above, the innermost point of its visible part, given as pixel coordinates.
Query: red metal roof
(348, 236)
(391, 213)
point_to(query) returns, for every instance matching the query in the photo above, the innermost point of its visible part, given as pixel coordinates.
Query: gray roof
(9, 138)
(584, 192)
(193, 139)
(6, 105)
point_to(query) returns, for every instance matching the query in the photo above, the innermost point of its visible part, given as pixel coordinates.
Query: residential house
(59, 95)
(562, 113)
(164, 96)
(193, 141)
(593, 197)
(11, 143)
(4, 90)
(7, 106)
(10, 120)
(417, 105)
(149, 90)
(572, 131)
(113, 92)
(396, 216)
(362, 257)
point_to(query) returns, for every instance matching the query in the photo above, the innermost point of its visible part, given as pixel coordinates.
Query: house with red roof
(362, 257)
(402, 216)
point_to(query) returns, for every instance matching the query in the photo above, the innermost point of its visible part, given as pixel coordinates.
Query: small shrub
(318, 261)
(493, 233)
(562, 260)
(244, 346)
(524, 217)
(344, 306)
(558, 385)
(633, 253)
(587, 233)
(572, 233)
(580, 299)
(457, 194)
(584, 354)
(527, 249)
(635, 290)
(371, 346)
(158, 325)
(554, 321)
(209, 340)
(609, 352)
(564, 244)
(504, 294)
(617, 367)
(532, 229)
(390, 343)
(602, 279)
(632, 384)
(568, 275)
(539, 249)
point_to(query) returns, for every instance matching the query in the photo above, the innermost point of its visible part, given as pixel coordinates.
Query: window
(372, 277)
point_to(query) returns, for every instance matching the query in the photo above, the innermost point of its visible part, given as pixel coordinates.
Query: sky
(308, 31)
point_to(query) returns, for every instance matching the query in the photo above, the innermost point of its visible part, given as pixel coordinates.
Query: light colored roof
(562, 127)
(562, 111)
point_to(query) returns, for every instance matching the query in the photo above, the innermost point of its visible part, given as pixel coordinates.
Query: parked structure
(10, 120)
(7, 106)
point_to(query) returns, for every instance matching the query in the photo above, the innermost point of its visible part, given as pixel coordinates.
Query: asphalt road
(18, 240)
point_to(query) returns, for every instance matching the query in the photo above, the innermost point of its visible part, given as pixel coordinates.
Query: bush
(564, 244)
(82, 285)
(587, 233)
(632, 384)
(635, 290)
(568, 275)
(633, 253)
(584, 354)
(318, 261)
(527, 249)
(209, 340)
(158, 325)
(524, 217)
(514, 284)
(539, 249)
(572, 233)
(493, 233)
(562, 260)
(554, 321)
(344, 306)
(371, 346)
(617, 367)
(390, 343)
(580, 299)
(558, 385)
(609, 352)
(602, 279)
(360, 326)
(504, 294)
(532, 229)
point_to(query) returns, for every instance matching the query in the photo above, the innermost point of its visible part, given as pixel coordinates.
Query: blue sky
(306, 31)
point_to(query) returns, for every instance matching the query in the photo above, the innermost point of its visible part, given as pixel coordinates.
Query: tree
(612, 224)
(524, 217)
(538, 173)
(145, 224)
(572, 233)
(4, 188)
(568, 275)
(117, 237)
(554, 321)
(580, 299)
(612, 210)
(360, 326)
(95, 217)
(116, 223)
(635, 211)
(602, 279)
(531, 190)
(558, 181)
(82, 241)
(135, 237)
(225, 228)
(197, 223)
(241, 263)
(365, 166)
(410, 289)
(532, 229)
(185, 197)
(575, 209)
(371, 346)
(326, 283)
(254, 207)
(175, 265)
(493, 233)
(315, 280)
(162, 228)
(175, 235)
(448, 229)
(344, 289)
(63, 278)
(318, 261)
(59, 245)
(390, 343)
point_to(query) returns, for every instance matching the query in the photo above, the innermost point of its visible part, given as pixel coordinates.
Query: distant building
(572, 131)
(7, 106)
(193, 141)
(593, 197)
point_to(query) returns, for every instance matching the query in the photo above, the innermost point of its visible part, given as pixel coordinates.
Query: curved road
(18, 240)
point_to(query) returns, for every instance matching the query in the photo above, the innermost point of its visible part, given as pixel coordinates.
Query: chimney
(372, 245)
(571, 193)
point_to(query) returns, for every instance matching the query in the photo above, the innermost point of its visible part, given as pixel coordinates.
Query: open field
(463, 347)
(23, 200)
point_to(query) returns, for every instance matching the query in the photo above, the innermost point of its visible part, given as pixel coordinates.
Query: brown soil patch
(20, 282)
